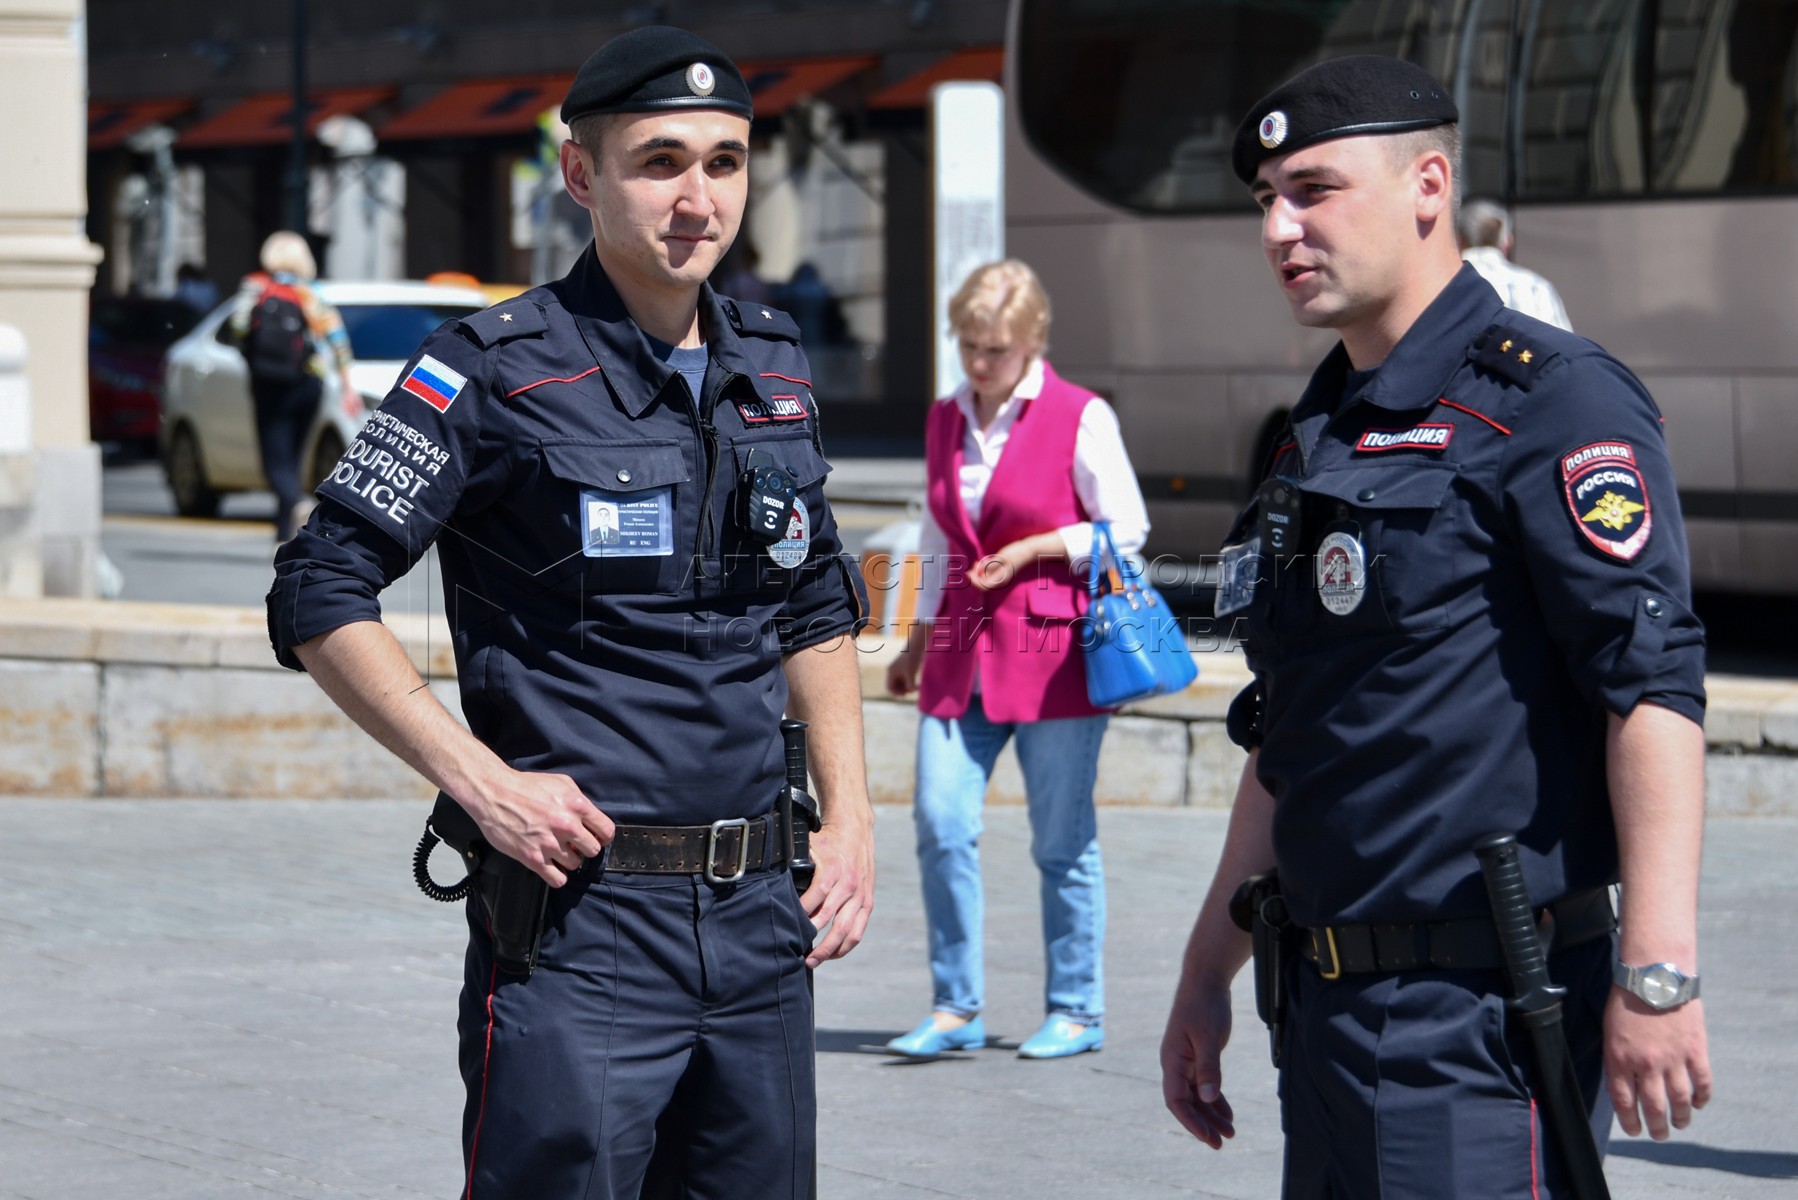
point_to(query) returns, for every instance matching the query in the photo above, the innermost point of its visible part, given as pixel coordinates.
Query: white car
(208, 420)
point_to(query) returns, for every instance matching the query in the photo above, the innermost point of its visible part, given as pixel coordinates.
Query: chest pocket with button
(747, 564)
(630, 482)
(1398, 512)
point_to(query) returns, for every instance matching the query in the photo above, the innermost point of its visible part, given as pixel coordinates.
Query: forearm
(1217, 949)
(824, 690)
(1655, 768)
(1048, 545)
(364, 670)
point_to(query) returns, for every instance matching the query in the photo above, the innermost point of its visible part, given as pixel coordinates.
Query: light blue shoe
(1059, 1039)
(927, 1041)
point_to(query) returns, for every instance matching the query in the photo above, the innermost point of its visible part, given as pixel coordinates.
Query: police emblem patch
(1341, 573)
(1273, 129)
(791, 550)
(1608, 497)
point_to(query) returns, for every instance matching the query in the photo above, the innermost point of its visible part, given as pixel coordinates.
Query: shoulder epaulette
(514, 318)
(760, 320)
(1510, 354)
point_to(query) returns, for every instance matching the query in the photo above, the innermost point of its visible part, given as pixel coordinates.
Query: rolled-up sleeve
(1589, 485)
(330, 575)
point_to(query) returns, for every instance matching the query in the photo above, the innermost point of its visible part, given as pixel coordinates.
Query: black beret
(654, 68)
(1340, 97)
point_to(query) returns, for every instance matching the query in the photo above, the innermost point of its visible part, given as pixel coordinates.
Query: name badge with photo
(627, 524)
(1237, 575)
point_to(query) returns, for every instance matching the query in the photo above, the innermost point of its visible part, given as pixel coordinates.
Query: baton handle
(1525, 963)
(792, 736)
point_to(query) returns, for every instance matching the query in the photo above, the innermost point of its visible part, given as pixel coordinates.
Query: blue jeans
(1060, 761)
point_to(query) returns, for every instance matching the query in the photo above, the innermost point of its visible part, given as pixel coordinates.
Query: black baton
(1537, 1003)
(797, 812)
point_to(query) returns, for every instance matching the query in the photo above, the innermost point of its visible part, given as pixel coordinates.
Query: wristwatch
(1660, 986)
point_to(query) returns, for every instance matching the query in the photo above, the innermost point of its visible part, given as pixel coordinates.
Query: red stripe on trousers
(1535, 1182)
(486, 1060)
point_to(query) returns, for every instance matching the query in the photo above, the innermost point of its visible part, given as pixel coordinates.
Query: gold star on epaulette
(1504, 347)
(505, 316)
(1525, 357)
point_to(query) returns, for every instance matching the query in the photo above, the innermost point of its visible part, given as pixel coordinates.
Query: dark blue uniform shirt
(609, 621)
(1525, 573)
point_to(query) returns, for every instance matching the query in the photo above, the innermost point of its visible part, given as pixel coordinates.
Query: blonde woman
(1019, 463)
(280, 322)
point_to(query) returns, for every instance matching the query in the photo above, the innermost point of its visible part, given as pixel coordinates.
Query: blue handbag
(1133, 645)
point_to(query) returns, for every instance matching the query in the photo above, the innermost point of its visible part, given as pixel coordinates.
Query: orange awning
(268, 120)
(108, 125)
(984, 63)
(480, 108)
(774, 86)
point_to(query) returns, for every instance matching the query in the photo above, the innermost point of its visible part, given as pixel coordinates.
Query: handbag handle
(1102, 545)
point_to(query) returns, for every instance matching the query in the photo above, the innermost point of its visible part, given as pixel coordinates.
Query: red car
(127, 337)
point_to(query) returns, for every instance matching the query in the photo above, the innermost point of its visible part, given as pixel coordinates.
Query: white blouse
(1103, 479)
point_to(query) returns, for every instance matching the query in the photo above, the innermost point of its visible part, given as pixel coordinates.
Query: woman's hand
(903, 672)
(1002, 566)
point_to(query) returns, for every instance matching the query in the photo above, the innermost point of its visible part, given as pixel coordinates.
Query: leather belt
(1465, 945)
(723, 851)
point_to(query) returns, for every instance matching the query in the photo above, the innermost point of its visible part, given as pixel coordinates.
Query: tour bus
(1649, 149)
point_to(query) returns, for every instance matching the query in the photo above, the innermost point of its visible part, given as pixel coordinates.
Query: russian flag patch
(434, 383)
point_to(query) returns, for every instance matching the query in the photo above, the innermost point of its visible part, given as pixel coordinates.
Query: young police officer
(627, 636)
(1465, 588)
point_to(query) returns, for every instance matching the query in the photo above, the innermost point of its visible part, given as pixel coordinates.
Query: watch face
(1660, 985)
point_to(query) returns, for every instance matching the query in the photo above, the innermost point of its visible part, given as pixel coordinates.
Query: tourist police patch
(1608, 497)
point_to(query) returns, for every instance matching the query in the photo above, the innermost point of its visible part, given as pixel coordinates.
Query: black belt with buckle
(723, 851)
(1463, 945)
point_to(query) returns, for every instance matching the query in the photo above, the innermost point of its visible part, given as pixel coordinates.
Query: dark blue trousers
(1416, 1086)
(662, 1048)
(284, 415)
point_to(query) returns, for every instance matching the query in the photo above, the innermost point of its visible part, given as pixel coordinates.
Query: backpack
(278, 347)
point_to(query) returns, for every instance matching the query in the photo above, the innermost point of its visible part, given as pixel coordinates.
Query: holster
(513, 897)
(1258, 909)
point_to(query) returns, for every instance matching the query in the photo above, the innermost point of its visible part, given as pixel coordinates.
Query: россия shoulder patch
(1608, 497)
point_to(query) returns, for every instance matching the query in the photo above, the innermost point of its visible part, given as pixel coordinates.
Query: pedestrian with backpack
(294, 343)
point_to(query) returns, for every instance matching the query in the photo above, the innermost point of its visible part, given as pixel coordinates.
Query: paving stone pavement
(210, 999)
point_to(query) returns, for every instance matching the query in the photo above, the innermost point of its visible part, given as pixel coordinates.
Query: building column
(46, 271)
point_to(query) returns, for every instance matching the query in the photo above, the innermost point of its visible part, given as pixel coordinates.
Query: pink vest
(1022, 634)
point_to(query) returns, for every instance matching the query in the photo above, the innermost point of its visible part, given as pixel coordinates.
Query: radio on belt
(765, 496)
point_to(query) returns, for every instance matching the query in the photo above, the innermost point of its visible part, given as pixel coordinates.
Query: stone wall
(119, 699)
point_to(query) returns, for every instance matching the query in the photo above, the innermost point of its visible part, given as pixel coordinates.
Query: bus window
(1655, 97)
(1137, 101)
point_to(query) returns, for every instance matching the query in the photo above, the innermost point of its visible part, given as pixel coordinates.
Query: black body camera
(764, 504)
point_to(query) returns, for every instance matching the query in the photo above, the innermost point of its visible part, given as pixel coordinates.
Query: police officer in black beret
(622, 472)
(1465, 589)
